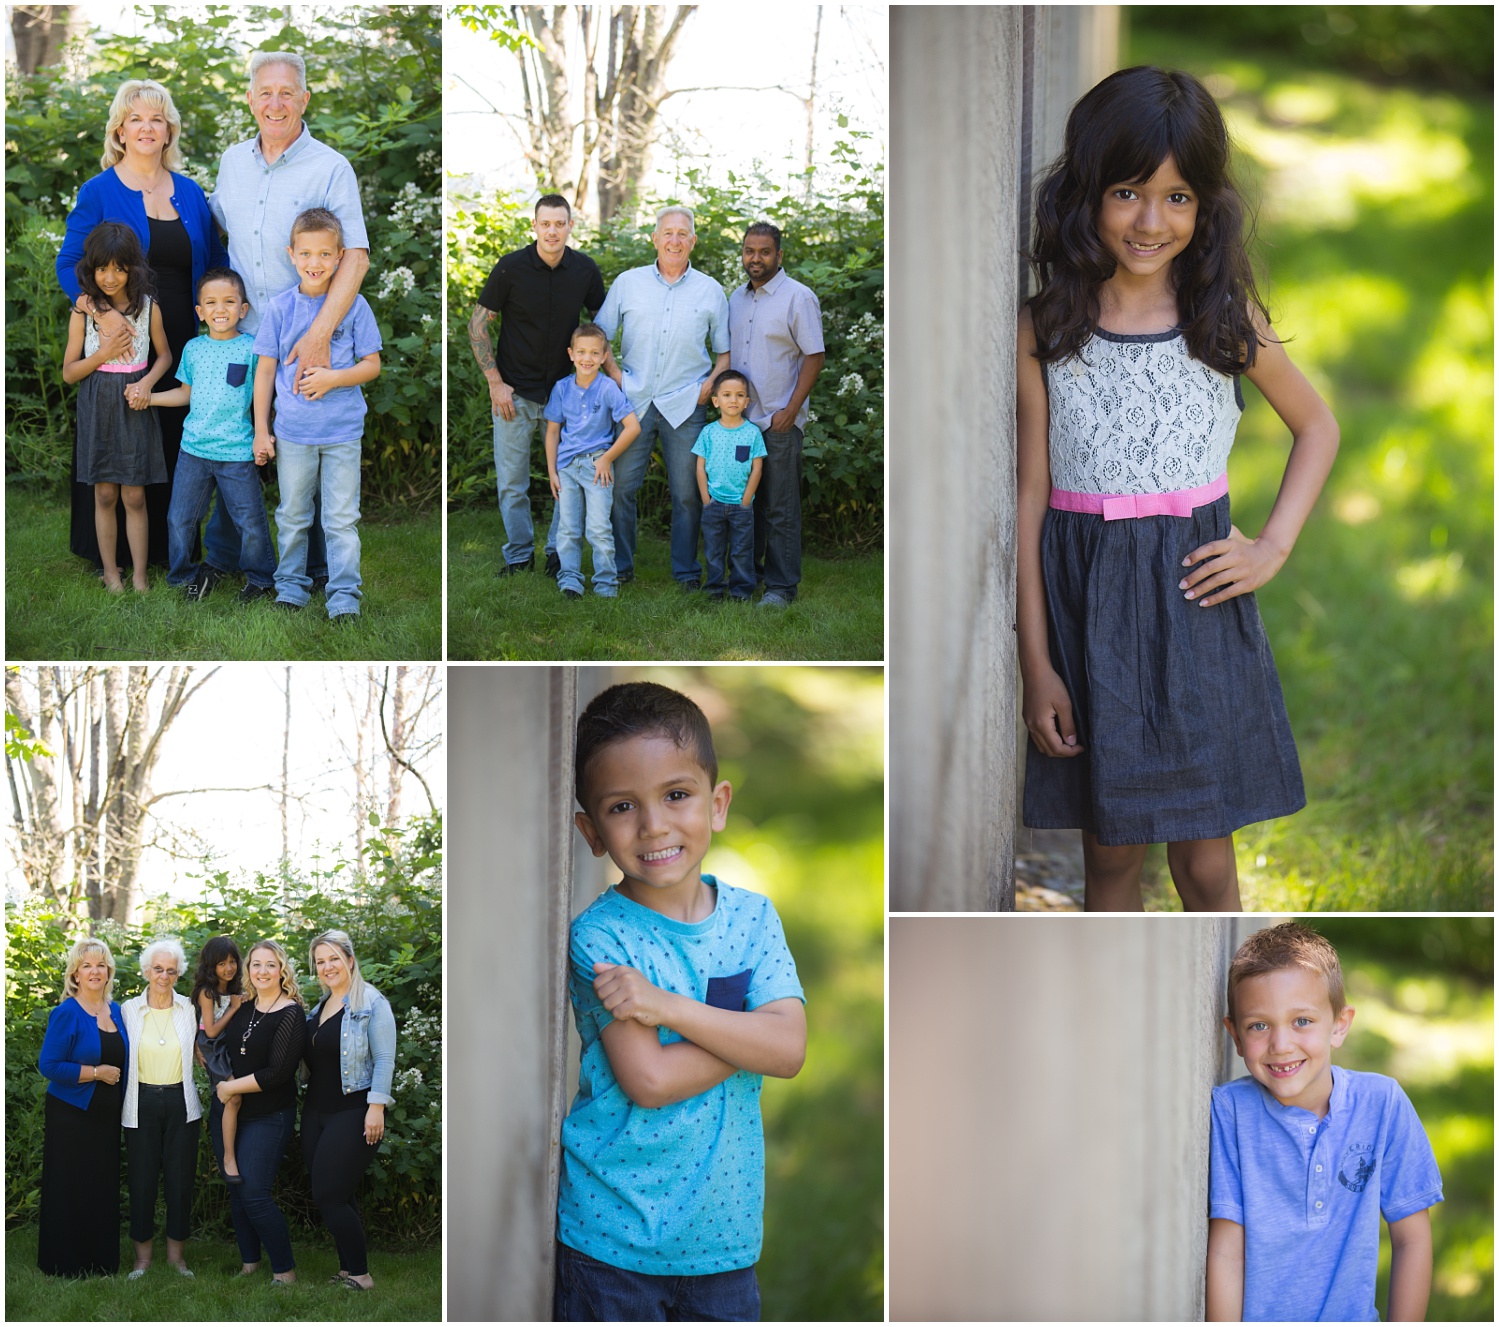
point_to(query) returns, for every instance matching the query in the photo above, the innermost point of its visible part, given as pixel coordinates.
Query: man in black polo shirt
(538, 292)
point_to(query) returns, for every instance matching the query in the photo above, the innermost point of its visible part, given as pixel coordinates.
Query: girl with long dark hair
(1151, 696)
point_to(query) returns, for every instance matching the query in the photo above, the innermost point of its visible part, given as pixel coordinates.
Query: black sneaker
(286, 606)
(253, 592)
(572, 594)
(320, 585)
(625, 577)
(553, 565)
(515, 568)
(690, 587)
(203, 583)
(344, 620)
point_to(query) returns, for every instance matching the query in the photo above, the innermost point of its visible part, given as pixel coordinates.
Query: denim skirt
(1178, 707)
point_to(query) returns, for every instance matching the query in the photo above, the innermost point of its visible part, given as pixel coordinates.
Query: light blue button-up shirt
(256, 202)
(771, 332)
(1309, 1193)
(669, 326)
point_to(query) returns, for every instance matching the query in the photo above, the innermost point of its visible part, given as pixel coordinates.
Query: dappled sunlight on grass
(1431, 578)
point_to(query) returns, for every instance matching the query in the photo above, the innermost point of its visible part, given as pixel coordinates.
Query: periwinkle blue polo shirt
(587, 415)
(1309, 1193)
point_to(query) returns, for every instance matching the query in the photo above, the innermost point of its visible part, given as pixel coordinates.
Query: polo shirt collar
(1296, 1120)
(296, 147)
(538, 262)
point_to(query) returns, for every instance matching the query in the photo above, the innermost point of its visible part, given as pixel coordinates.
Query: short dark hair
(588, 329)
(641, 709)
(724, 377)
(552, 200)
(765, 228)
(317, 218)
(221, 274)
(1289, 945)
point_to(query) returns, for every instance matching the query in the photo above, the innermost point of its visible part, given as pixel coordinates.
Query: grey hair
(341, 942)
(172, 945)
(677, 210)
(86, 945)
(259, 60)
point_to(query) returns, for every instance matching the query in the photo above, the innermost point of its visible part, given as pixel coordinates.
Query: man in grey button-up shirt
(671, 314)
(775, 335)
(263, 184)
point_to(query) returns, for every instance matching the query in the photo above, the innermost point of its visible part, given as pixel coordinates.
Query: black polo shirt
(538, 307)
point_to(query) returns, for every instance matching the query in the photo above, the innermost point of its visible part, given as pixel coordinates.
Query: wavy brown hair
(114, 242)
(1119, 133)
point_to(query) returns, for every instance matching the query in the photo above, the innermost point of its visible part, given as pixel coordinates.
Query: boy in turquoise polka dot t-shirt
(685, 995)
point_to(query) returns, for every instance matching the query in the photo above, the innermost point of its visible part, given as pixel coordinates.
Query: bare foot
(141, 582)
(112, 581)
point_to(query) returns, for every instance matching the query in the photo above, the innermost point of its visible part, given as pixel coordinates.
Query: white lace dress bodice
(1137, 414)
(140, 325)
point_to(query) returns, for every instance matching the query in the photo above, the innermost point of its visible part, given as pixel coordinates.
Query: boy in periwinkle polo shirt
(319, 418)
(685, 995)
(581, 450)
(1306, 1156)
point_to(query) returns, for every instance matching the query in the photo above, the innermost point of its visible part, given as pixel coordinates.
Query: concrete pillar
(1050, 1081)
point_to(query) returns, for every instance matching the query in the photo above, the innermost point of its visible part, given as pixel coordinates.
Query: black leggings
(337, 1157)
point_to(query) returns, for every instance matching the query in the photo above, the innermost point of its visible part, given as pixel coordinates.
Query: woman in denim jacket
(351, 1059)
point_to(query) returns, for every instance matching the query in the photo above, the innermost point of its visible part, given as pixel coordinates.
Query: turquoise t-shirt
(728, 453)
(222, 375)
(676, 1190)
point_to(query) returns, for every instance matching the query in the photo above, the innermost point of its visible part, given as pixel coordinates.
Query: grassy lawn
(1377, 222)
(408, 1288)
(56, 608)
(839, 612)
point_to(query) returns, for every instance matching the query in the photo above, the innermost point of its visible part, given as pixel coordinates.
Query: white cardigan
(133, 1011)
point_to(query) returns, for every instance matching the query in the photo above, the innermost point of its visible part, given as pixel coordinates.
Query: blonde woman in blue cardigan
(161, 1108)
(83, 1058)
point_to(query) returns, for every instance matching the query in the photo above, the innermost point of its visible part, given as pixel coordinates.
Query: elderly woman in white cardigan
(161, 1111)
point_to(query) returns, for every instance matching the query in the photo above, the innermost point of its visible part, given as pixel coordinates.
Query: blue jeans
(585, 504)
(259, 1146)
(729, 536)
(588, 1290)
(681, 479)
(238, 483)
(221, 542)
(778, 514)
(307, 469)
(512, 469)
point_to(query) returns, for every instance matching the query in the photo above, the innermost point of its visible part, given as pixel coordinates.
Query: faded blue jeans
(584, 507)
(588, 1290)
(333, 470)
(681, 479)
(512, 469)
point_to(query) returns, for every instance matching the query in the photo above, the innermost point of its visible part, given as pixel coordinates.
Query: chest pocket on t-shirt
(741, 452)
(235, 374)
(729, 992)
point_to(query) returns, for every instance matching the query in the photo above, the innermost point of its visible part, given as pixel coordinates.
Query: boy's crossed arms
(718, 1043)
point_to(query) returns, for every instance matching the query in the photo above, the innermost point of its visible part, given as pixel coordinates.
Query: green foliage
(834, 243)
(391, 906)
(375, 76)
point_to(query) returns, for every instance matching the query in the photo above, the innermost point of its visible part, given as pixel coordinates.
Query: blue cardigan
(73, 1039)
(107, 198)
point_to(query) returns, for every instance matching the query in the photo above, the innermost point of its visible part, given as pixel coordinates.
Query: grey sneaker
(771, 599)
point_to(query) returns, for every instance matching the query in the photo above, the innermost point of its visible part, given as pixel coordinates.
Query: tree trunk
(286, 779)
(812, 102)
(40, 32)
(393, 771)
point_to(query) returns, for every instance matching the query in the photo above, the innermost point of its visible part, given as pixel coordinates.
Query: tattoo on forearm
(478, 337)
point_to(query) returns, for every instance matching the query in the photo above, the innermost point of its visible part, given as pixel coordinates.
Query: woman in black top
(266, 1041)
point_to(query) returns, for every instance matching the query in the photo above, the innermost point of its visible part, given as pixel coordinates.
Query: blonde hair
(1289, 945)
(289, 986)
(88, 944)
(153, 94)
(341, 942)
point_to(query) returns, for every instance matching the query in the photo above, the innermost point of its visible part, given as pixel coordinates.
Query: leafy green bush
(391, 906)
(835, 244)
(375, 75)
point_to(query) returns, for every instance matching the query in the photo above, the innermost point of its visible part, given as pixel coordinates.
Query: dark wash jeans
(729, 537)
(161, 1150)
(259, 1146)
(588, 1290)
(238, 485)
(778, 514)
(221, 541)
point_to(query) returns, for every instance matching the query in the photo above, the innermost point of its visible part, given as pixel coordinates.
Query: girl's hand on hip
(1229, 567)
(1048, 716)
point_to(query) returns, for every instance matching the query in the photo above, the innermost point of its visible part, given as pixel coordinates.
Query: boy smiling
(685, 995)
(1306, 1156)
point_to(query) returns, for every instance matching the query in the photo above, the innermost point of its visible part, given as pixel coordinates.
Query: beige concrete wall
(1049, 1090)
(979, 98)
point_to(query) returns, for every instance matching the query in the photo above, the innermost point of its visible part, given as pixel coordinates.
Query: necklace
(256, 1018)
(161, 1037)
(145, 188)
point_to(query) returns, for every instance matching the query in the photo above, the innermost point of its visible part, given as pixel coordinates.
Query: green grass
(838, 614)
(57, 608)
(1382, 620)
(408, 1288)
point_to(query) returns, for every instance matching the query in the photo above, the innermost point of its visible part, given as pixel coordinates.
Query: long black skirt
(1178, 708)
(80, 1198)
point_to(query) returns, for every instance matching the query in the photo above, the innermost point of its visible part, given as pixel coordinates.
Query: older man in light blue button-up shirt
(672, 315)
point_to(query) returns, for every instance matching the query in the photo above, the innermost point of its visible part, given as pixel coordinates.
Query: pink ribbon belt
(1127, 506)
(121, 368)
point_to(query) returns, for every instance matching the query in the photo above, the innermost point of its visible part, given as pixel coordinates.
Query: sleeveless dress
(1178, 707)
(118, 445)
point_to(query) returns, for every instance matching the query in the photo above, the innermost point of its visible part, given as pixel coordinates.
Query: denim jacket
(366, 1046)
